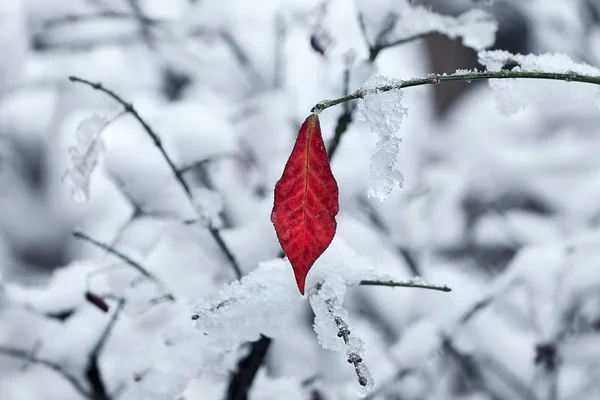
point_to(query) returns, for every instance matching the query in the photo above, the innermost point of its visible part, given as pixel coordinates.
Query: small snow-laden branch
(267, 302)
(513, 96)
(476, 28)
(384, 113)
(331, 325)
(85, 155)
(465, 76)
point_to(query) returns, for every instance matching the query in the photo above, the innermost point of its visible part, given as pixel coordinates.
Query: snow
(420, 341)
(13, 42)
(85, 156)
(334, 333)
(514, 95)
(476, 28)
(268, 388)
(384, 113)
(226, 317)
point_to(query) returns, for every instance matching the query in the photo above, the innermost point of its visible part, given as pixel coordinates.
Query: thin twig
(109, 249)
(279, 64)
(375, 50)
(435, 79)
(380, 41)
(215, 233)
(242, 58)
(405, 284)
(363, 28)
(213, 158)
(105, 14)
(153, 135)
(145, 31)
(30, 358)
(345, 118)
(108, 329)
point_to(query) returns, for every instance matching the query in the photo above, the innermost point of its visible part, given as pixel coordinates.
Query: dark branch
(241, 381)
(92, 372)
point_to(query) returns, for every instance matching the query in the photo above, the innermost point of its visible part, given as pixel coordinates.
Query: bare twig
(105, 14)
(363, 28)
(109, 249)
(178, 174)
(345, 118)
(128, 108)
(242, 58)
(379, 222)
(31, 358)
(145, 25)
(380, 41)
(405, 284)
(374, 51)
(128, 260)
(474, 309)
(216, 157)
(279, 66)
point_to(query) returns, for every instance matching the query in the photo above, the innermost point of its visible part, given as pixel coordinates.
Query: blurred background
(502, 207)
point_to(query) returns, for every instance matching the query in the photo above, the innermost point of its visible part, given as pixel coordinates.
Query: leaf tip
(301, 281)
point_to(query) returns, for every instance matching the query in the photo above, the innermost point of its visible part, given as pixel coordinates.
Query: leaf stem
(435, 79)
(405, 284)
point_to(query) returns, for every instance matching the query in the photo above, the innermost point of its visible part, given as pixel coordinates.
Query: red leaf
(306, 201)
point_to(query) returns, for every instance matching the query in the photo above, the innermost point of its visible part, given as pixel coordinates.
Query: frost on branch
(512, 95)
(476, 28)
(262, 302)
(384, 113)
(334, 333)
(85, 155)
(265, 301)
